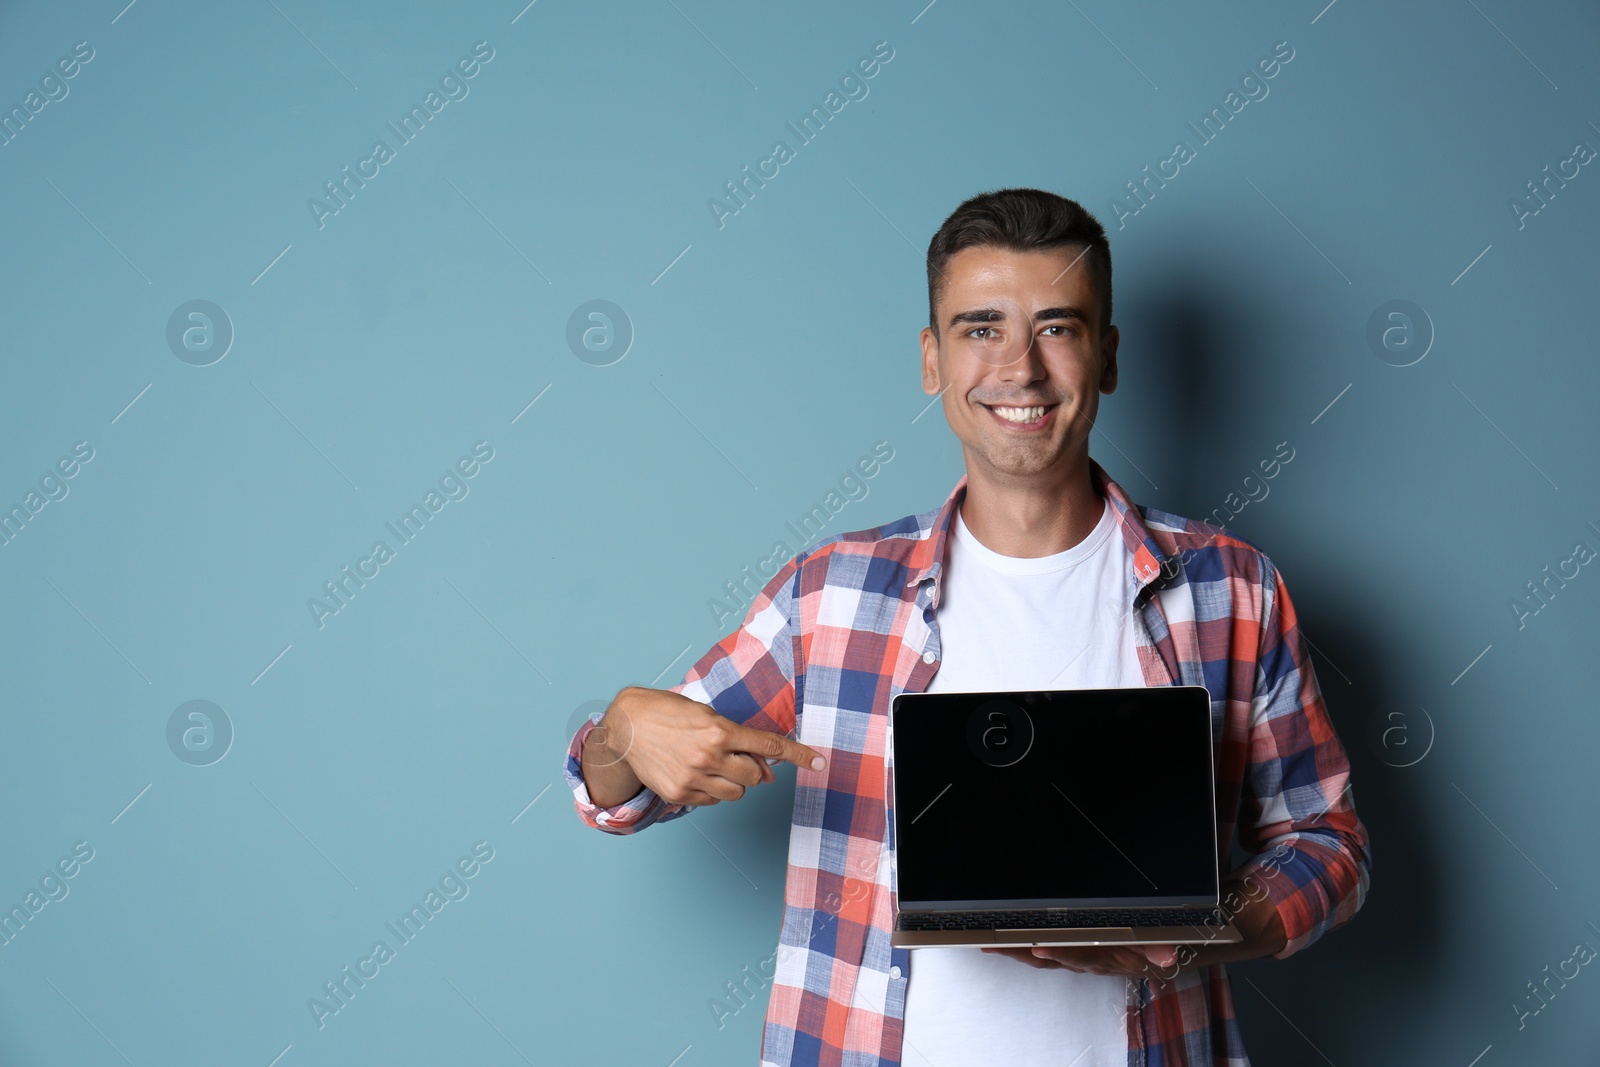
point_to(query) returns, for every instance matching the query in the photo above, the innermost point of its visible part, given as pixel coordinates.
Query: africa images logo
(1000, 733)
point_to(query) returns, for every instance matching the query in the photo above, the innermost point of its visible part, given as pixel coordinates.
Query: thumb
(776, 746)
(1161, 955)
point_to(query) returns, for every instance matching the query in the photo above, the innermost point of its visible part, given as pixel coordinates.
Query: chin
(1021, 462)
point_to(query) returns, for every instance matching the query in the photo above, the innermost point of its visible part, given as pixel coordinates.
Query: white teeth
(1032, 414)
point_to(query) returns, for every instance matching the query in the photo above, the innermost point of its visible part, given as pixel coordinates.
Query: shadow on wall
(1204, 392)
(1173, 376)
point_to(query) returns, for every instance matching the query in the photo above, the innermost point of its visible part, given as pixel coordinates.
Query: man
(1038, 572)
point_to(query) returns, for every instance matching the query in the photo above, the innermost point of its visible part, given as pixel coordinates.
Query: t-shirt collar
(1149, 561)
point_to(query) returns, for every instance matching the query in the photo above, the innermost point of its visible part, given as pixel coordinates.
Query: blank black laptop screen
(1074, 798)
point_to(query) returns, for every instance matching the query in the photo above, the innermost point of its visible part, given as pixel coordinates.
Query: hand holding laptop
(1134, 961)
(1257, 920)
(682, 749)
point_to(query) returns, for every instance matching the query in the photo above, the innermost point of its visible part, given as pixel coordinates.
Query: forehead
(984, 270)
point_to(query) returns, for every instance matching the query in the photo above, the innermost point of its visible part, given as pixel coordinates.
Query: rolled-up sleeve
(748, 676)
(1298, 802)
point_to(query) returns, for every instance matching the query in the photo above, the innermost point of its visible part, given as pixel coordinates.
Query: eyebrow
(1066, 311)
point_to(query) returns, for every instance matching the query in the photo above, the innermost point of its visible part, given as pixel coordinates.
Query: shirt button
(894, 972)
(928, 657)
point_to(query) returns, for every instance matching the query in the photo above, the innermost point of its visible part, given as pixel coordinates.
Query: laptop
(1060, 817)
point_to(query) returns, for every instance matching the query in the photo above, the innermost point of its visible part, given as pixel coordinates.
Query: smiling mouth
(1028, 417)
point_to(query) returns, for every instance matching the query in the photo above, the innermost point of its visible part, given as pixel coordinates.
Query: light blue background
(428, 313)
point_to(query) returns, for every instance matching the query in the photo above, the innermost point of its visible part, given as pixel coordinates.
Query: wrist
(606, 774)
(1262, 930)
(606, 744)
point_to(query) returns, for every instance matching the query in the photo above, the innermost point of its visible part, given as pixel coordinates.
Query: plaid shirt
(851, 622)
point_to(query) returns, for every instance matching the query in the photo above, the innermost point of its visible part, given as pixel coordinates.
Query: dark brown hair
(1021, 220)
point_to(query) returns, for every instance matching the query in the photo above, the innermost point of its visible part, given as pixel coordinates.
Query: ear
(1108, 352)
(930, 361)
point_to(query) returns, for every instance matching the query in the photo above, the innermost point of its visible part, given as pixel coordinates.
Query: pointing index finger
(775, 746)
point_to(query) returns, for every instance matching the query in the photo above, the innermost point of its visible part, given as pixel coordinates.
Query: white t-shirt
(1054, 622)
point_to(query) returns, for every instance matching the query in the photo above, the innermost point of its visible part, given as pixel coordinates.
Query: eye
(980, 329)
(1063, 326)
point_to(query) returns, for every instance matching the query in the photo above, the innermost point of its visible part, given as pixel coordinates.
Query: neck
(1027, 518)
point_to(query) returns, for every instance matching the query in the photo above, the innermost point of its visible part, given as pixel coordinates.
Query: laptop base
(1095, 935)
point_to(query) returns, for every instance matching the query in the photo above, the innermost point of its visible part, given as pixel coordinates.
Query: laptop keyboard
(1060, 918)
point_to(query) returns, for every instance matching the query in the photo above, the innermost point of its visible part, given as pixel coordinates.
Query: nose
(1018, 359)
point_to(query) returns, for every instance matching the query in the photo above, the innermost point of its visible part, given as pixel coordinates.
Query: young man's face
(1021, 357)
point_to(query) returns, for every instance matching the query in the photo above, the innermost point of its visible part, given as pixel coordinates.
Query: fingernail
(818, 763)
